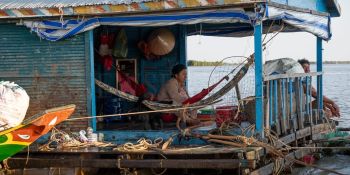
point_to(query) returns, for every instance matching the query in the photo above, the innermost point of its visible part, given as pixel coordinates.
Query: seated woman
(174, 90)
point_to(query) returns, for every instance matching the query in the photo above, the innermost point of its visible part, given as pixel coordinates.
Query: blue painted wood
(152, 73)
(317, 5)
(182, 48)
(290, 90)
(275, 100)
(271, 102)
(301, 92)
(183, 45)
(259, 108)
(319, 53)
(284, 101)
(157, 72)
(321, 5)
(92, 80)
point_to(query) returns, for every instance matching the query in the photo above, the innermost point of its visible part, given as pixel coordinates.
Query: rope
(138, 113)
(64, 140)
(277, 166)
(243, 141)
(142, 144)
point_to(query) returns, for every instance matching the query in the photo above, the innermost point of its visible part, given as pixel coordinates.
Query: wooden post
(259, 109)
(298, 101)
(275, 107)
(267, 112)
(319, 78)
(281, 115)
(91, 79)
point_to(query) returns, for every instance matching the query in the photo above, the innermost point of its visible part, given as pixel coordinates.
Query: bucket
(225, 114)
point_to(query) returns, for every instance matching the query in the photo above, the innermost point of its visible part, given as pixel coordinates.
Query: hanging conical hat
(161, 42)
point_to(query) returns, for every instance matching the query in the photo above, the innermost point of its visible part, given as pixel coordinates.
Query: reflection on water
(337, 163)
(336, 86)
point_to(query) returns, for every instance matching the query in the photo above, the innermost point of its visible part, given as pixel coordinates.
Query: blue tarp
(315, 24)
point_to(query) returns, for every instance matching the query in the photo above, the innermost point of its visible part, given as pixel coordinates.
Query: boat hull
(16, 139)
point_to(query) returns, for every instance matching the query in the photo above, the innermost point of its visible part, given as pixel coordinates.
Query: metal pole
(92, 80)
(319, 77)
(259, 109)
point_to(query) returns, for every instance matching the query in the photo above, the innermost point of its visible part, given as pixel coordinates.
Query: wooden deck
(248, 160)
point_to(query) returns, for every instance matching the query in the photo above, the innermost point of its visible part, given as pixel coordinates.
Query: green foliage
(204, 63)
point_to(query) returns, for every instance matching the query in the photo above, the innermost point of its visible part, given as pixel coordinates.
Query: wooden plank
(289, 105)
(298, 101)
(281, 116)
(173, 151)
(20, 163)
(303, 133)
(265, 170)
(267, 107)
(319, 128)
(270, 102)
(292, 75)
(286, 140)
(310, 104)
(268, 169)
(275, 108)
(286, 118)
(308, 101)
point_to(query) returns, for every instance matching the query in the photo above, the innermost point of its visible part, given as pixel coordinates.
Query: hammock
(140, 89)
(192, 102)
(203, 93)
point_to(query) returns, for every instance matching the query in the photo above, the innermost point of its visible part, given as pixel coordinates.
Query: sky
(293, 45)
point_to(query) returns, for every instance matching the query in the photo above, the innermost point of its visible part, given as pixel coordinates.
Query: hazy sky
(293, 45)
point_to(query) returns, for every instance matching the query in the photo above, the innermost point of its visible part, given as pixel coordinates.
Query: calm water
(336, 86)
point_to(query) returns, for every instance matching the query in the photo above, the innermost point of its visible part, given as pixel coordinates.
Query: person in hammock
(174, 91)
(329, 104)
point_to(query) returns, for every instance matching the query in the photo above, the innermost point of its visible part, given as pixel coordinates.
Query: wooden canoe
(14, 140)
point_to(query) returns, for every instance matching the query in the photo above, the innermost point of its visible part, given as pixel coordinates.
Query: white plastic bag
(14, 102)
(282, 66)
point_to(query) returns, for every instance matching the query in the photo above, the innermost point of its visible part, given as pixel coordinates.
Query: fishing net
(246, 87)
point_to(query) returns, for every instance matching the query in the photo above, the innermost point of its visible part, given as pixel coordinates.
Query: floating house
(51, 49)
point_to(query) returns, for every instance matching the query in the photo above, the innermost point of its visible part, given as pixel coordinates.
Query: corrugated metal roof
(30, 4)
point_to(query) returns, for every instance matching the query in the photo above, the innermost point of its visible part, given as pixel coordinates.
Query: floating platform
(249, 160)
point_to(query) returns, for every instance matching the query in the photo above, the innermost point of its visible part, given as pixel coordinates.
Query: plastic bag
(14, 102)
(120, 49)
(282, 66)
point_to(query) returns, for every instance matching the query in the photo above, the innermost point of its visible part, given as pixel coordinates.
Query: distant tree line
(205, 63)
(332, 62)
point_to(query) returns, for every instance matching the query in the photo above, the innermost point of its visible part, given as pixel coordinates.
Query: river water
(336, 86)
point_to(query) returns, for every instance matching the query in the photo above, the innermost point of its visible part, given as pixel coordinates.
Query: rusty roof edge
(244, 5)
(20, 4)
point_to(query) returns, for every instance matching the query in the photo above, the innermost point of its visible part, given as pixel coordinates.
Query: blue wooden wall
(318, 5)
(152, 73)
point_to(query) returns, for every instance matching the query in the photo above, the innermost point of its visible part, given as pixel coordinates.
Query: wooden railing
(288, 102)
